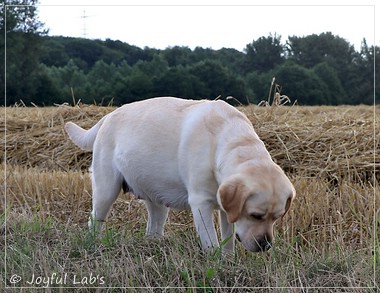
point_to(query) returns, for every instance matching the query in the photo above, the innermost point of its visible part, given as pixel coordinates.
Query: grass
(328, 242)
(126, 258)
(121, 257)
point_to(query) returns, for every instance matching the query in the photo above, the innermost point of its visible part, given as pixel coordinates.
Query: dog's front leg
(227, 231)
(204, 223)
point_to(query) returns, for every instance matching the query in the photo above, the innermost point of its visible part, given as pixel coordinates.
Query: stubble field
(328, 242)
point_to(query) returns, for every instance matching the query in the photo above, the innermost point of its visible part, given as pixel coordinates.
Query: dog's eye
(257, 216)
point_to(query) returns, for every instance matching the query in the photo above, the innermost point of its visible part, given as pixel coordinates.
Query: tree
(362, 77)
(231, 58)
(54, 52)
(334, 51)
(155, 68)
(67, 80)
(140, 85)
(85, 50)
(215, 80)
(258, 85)
(20, 16)
(264, 54)
(314, 49)
(20, 25)
(336, 93)
(101, 79)
(177, 55)
(47, 88)
(177, 81)
(301, 84)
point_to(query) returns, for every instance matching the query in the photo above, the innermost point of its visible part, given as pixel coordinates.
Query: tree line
(314, 70)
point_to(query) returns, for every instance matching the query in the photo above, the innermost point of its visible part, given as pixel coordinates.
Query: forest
(322, 69)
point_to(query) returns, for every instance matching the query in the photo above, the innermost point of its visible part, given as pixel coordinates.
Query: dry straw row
(313, 141)
(334, 141)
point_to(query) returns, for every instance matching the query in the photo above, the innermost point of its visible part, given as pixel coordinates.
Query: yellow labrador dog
(175, 153)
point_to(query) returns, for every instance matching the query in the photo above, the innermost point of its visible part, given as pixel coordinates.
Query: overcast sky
(206, 24)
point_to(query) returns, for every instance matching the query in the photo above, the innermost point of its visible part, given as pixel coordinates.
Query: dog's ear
(231, 196)
(289, 202)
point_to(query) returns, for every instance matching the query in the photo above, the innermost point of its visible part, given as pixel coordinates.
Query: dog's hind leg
(157, 215)
(105, 189)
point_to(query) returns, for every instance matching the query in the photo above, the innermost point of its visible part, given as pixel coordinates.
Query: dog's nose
(264, 244)
(237, 237)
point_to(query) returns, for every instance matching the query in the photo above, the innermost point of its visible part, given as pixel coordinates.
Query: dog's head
(254, 199)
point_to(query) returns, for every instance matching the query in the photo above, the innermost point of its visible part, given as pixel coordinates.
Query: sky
(228, 24)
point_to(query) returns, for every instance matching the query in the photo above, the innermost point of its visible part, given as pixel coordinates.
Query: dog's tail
(81, 137)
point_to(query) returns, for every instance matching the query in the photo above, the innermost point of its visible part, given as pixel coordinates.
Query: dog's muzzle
(261, 245)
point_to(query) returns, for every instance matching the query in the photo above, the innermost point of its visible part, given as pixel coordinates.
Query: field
(328, 242)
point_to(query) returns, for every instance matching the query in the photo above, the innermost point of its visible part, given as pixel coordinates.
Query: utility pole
(84, 16)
